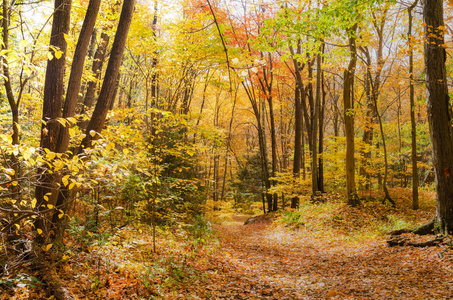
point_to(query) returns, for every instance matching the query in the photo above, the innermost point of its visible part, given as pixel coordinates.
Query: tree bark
(52, 108)
(439, 112)
(298, 131)
(415, 202)
(75, 78)
(108, 87)
(349, 118)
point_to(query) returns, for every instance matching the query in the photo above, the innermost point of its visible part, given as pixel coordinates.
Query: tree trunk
(321, 137)
(75, 78)
(349, 118)
(298, 131)
(368, 132)
(52, 109)
(439, 113)
(108, 87)
(415, 204)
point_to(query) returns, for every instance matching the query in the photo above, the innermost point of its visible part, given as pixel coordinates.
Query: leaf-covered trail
(260, 261)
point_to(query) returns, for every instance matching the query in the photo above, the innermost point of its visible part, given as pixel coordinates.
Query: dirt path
(259, 261)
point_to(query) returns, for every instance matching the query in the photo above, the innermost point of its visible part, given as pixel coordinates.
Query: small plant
(20, 280)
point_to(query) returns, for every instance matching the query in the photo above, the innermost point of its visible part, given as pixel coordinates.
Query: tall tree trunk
(111, 74)
(349, 118)
(228, 145)
(52, 110)
(13, 104)
(69, 106)
(368, 132)
(321, 138)
(415, 203)
(439, 112)
(384, 146)
(298, 131)
(75, 77)
(266, 83)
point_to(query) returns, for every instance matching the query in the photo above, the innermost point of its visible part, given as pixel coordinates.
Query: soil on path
(263, 261)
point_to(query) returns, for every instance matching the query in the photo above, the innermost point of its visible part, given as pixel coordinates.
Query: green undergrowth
(371, 219)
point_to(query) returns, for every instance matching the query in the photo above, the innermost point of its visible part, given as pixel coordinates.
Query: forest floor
(262, 261)
(322, 251)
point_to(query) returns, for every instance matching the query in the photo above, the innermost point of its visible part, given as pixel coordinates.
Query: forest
(226, 149)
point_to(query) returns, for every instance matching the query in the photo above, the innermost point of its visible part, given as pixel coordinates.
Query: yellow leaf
(58, 53)
(14, 183)
(47, 248)
(62, 121)
(39, 231)
(65, 258)
(71, 186)
(50, 206)
(10, 172)
(51, 155)
(59, 165)
(49, 55)
(72, 120)
(126, 151)
(72, 131)
(33, 203)
(27, 71)
(110, 146)
(64, 180)
(92, 133)
(26, 155)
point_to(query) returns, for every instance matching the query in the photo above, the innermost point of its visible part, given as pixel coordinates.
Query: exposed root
(397, 240)
(403, 241)
(424, 229)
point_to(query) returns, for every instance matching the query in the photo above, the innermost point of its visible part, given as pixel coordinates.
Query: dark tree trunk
(266, 83)
(13, 104)
(439, 112)
(368, 132)
(53, 103)
(75, 77)
(108, 87)
(297, 139)
(415, 204)
(321, 138)
(349, 118)
(52, 108)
